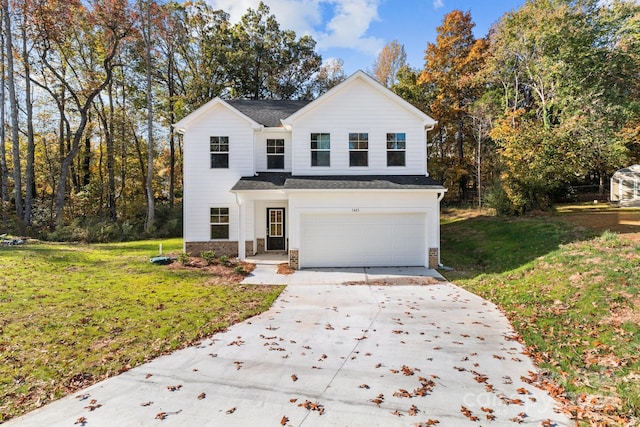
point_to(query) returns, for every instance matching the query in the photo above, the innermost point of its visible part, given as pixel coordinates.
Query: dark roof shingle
(267, 112)
(285, 181)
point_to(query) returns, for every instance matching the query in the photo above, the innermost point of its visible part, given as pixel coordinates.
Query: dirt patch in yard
(626, 223)
(399, 281)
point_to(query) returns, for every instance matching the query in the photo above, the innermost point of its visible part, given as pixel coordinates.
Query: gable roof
(267, 112)
(182, 125)
(275, 113)
(360, 75)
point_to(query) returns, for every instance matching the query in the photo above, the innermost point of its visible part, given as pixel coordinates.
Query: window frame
(317, 151)
(358, 149)
(216, 149)
(275, 154)
(396, 148)
(220, 215)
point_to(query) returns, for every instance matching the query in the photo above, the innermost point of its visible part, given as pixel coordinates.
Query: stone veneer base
(227, 248)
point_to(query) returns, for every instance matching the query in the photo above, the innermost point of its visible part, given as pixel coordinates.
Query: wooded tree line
(549, 98)
(91, 88)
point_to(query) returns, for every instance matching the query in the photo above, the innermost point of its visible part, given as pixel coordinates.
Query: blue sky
(356, 30)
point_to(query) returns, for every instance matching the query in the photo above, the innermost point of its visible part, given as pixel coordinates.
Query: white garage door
(362, 240)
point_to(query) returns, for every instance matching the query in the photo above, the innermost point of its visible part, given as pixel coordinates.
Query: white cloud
(332, 23)
(437, 4)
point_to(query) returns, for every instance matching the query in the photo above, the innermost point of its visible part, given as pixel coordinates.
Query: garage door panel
(354, 240)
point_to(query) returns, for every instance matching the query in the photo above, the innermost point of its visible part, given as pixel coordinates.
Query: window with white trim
(219, 219)
(396, 149)
(358, 149)
(275, 153)
(219, 147)
(320, 149)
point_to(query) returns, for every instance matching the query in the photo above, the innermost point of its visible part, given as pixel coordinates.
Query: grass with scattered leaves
(71, 315)
(573, 296)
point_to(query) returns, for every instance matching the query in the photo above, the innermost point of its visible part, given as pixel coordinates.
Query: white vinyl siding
(205, 187)
(357, 108)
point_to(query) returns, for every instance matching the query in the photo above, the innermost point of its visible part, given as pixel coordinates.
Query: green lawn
(572, 295)
(71, 315)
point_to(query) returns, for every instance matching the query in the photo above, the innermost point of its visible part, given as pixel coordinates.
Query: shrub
(208, 256)
(183, 258)
(238, 269)
(224, 260)
(497, 198)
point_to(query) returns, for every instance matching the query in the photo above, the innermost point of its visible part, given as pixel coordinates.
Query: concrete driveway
(360, 347)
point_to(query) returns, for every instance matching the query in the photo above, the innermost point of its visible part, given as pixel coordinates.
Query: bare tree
(4, 172)
(105, 25)
(13, 106)
(145, 10)
(391, 58)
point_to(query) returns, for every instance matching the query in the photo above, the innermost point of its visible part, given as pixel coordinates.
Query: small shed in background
(625, 186)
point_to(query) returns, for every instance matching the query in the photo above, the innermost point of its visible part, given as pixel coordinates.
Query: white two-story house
(340, 181)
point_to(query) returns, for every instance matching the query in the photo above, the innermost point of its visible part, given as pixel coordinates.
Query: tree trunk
(86, 162)
(111, 160)
(150, 195)
(13, 106)
(4, 171)
(172, 142)
(31, 146)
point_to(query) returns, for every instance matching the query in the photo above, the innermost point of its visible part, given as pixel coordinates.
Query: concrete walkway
(364, 353)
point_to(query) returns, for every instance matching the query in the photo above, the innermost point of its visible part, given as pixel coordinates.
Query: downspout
(426, 148)
(440, 197)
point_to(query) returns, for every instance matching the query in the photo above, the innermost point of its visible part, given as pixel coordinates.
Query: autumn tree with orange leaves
(451, 66)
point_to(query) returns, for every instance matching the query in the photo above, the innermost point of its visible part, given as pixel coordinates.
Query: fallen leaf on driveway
(378, 400)
(201, 396)
(231, 411)
(294, 378)
(82, 421)
(284, 420)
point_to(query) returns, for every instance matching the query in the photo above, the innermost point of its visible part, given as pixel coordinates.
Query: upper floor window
(275, 153)
(219, 220)
(358, 149)
(320, 149)
(219, 146)
(396, 149)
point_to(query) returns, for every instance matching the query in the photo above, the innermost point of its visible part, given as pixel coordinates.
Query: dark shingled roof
(267, 112)
(284, 181)
(262, 181)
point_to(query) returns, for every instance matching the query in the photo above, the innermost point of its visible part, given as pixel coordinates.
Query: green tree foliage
(566, 74)
(267, 62)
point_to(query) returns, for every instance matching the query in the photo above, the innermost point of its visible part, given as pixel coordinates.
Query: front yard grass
(571, 293)
(72, 315)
